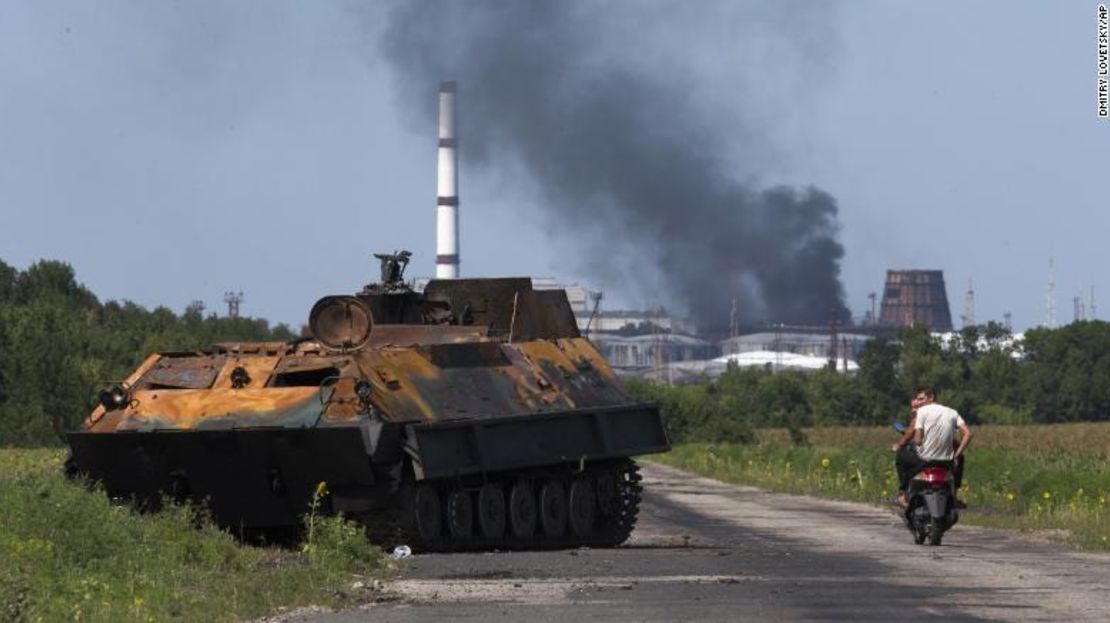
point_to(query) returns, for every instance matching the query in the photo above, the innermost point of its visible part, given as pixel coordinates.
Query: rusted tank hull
(265, 478)
(472, 415)
(256, 478)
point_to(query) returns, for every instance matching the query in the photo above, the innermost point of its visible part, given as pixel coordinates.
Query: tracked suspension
(594, 506)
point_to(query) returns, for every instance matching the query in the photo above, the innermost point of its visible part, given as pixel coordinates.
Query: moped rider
(930, 437)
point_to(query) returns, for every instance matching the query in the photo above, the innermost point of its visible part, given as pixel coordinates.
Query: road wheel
(460, 514)
(608, 493)
(553, 508)
(582, 507)
(617, 517)
(522, 509)
(491, 510)
(428, 513)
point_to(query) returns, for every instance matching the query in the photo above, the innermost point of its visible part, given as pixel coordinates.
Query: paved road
(707, 551)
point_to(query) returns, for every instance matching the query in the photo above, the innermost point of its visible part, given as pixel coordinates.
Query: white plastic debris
(400, 552)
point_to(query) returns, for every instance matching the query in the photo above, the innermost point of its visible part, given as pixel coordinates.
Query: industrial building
(813, 344)
(652, 350)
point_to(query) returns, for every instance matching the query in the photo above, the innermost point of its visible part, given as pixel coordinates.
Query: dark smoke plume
(627, 165)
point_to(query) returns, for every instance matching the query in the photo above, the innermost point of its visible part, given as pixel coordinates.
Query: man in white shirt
(933, 432)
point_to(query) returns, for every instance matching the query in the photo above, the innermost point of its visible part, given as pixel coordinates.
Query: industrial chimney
(447, 204)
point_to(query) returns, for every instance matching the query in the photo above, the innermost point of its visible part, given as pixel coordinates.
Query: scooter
(931, 497)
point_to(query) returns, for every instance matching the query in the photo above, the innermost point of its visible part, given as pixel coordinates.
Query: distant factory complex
(653, 344)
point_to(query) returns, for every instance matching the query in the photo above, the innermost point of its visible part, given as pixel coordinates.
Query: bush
(1056, 375)
(695, 412)
(58, 342)
(1003, 415)
(68, 553)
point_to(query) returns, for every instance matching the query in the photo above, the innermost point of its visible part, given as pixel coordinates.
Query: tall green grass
(1048, 477)
(68, 554)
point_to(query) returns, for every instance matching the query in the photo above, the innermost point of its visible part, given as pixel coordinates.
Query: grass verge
(68, 554)
(1047, 478)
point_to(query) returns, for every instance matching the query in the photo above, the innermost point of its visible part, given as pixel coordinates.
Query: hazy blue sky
(174, 150)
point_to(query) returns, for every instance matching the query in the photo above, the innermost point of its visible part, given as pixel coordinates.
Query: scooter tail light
(933, 475)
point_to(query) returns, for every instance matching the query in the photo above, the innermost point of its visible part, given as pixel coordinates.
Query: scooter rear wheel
(936, 532)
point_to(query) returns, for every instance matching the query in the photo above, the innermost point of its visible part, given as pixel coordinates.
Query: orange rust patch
(185, 408)
(389, 371)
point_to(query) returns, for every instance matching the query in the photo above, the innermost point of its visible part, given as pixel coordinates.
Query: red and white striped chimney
(447, 204)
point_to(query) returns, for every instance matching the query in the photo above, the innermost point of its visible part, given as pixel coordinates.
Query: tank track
(614, 494)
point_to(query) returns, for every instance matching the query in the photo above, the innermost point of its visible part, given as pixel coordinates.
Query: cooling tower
(916, 298)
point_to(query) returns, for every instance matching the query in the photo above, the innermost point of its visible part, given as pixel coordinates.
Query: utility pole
(1050, 297)
(778, 347)
(734, 320)
(663, 351)
(596, 296)
(233, 299)
(1092, 311)
(969, 305)
(873, 319)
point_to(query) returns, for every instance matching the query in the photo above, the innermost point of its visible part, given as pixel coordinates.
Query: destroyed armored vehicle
(471, 415)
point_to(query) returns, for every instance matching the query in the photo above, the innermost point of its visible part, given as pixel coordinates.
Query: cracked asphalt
(709, 551)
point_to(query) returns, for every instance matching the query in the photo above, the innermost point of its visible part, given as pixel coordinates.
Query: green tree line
(1052, 375)
(59, 343)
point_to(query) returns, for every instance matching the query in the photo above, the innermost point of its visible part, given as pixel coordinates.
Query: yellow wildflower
(321, 489)
(825, 463)
(1010, 496)
(1046, 495)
